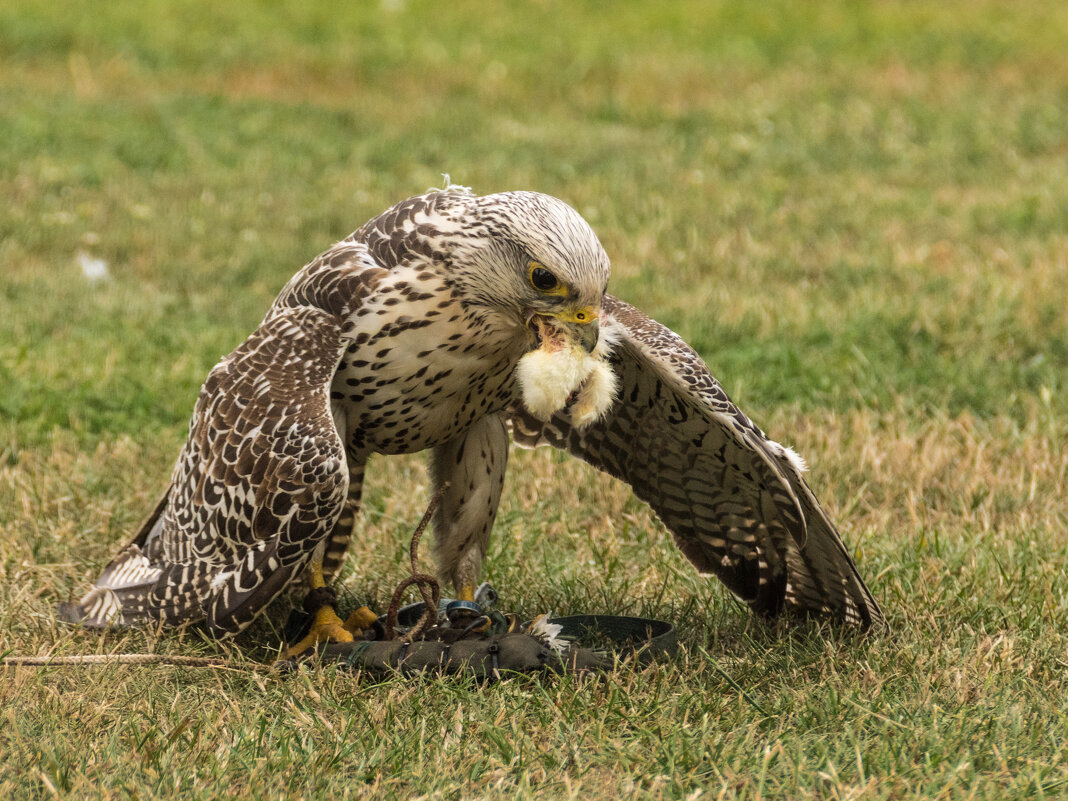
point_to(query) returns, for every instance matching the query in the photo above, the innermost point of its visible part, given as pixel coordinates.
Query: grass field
(856, 212)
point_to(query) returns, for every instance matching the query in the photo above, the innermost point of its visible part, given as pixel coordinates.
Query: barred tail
(128, 590)
(121, 595)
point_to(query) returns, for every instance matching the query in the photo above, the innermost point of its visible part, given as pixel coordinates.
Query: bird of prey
(448, 323)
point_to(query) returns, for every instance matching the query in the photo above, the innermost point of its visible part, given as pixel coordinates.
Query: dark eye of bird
(542, 279)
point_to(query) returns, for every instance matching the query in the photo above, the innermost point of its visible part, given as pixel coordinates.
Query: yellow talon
(326, 625)
(362, 618)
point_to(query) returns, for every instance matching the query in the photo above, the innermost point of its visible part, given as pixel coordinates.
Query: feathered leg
(338, 541)
(473, 464)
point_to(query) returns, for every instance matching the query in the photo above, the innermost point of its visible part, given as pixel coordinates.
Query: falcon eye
(580, 317)
(542, 279)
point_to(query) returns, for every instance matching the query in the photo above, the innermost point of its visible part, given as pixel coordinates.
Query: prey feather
(561, 374)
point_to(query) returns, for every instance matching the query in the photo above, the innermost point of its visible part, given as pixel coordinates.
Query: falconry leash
(448, 637)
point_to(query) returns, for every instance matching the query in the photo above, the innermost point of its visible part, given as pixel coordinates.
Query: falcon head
(536, 274)
(559, 271)
(533, 259)
(545, 267)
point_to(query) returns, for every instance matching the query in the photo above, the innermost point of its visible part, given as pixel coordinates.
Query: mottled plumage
(734, 500)
(405, 337)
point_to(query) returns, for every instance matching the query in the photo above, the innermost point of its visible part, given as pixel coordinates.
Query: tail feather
(102, 607)
(132, 590)
(127, 592)
(121, 594)
(822, 576)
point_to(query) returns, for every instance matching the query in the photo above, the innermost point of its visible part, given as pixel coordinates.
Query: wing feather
(733, 499)
(261, 480)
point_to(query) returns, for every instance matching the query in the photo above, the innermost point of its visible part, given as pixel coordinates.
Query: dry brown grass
(855, 212)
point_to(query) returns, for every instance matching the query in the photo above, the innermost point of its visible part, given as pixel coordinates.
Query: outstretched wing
(734, 500)
(262, 478)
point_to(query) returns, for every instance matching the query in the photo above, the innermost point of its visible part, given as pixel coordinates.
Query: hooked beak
(588, 334)
(579, 327)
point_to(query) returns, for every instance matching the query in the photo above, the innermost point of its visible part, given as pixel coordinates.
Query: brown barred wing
(733, 499)
(262, 478)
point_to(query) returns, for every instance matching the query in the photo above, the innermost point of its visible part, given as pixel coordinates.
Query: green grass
(855, 211)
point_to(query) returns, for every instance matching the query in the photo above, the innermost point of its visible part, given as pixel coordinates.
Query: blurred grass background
(856, 212)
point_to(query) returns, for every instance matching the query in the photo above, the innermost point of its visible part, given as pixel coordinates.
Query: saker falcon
(441, 325)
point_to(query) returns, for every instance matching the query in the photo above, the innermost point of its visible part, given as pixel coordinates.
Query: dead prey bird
(443, 324)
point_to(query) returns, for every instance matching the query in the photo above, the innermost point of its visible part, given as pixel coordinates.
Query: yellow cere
(582, 316)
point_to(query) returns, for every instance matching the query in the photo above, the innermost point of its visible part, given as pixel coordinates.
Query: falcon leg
(326, 625)
(473, 464)
(338, 541)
